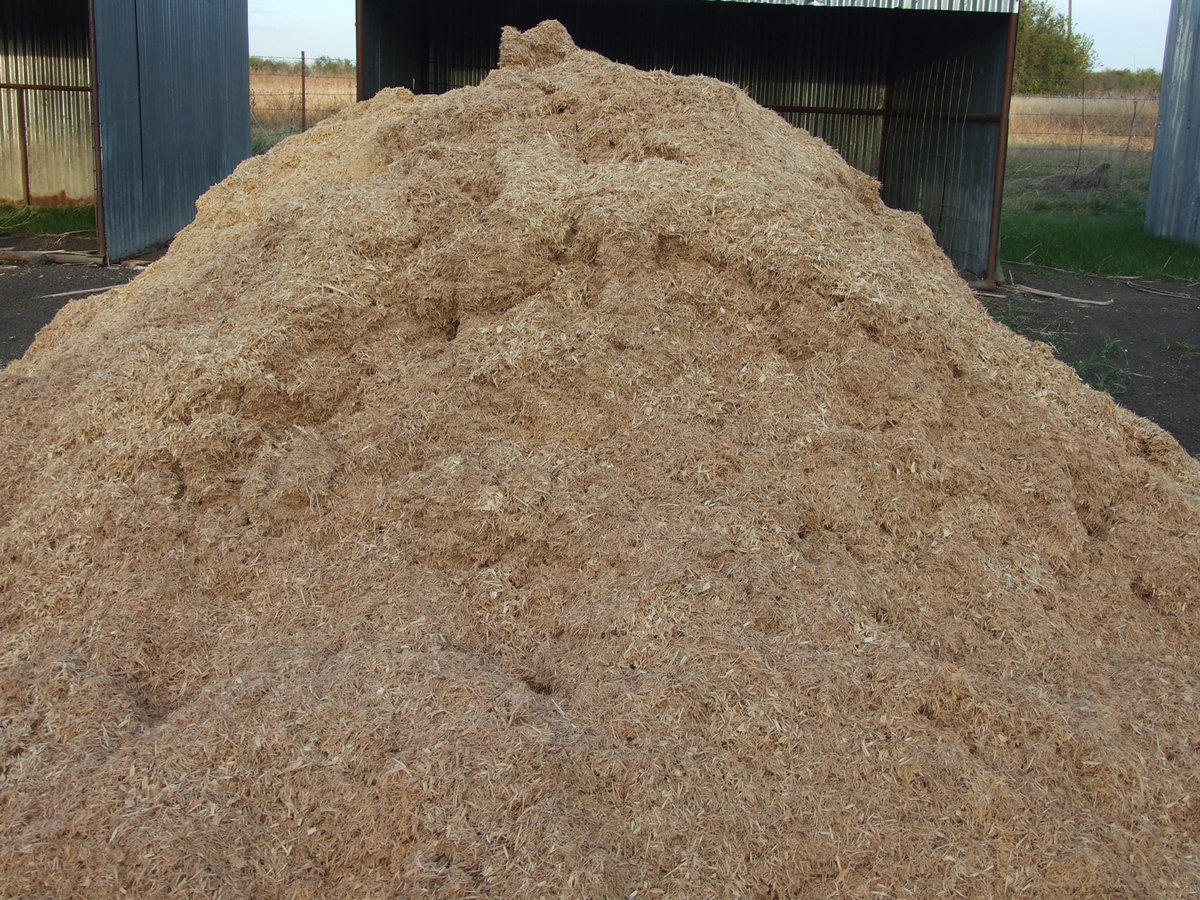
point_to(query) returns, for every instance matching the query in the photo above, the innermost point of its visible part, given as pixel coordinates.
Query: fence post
(303, 95)
(23, 137)
(1082, 126)
(1128, 141)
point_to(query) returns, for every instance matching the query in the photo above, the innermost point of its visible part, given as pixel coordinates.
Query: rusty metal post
(97, 149)
(888, 87)
(303, 95)
(993, 257)
(23, 138)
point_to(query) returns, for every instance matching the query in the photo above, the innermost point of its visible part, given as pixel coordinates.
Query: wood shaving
(581, 485)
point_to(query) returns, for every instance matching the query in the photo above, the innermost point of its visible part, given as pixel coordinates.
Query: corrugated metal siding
(915, 99)
(401, 61)
(780, 59)
(46, 44)
(991, 6)
(1173, 208)
(12, 183)
(941, 152)
(174, 83)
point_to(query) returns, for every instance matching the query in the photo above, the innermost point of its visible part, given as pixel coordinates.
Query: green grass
(1009, 315)
(1182, 351)
(1097, 232)
(47, 219)
(1096, 245)
(263, 138)
(1104, 368)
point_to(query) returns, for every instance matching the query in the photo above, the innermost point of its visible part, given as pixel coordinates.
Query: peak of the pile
(545, 44)
(581, 484)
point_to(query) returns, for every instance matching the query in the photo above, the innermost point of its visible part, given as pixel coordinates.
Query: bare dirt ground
(1151, 329)
(31, 295)
(1141, 338)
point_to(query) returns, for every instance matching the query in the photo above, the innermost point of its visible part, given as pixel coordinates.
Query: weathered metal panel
(992, 6)
(46, 151)
(1173, 208)
(174, 84)
(60, 151)
(945, 130)
(120, 122)
(12, 183)
(829, 61)
(901, 95)
(400, 63)
(945, 170)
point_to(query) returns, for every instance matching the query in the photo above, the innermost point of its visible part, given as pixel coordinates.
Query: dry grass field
(1117, 122)
(1114, 122)
(1071, 135)
(1106, 125)
(1062, 211)
(276, 101)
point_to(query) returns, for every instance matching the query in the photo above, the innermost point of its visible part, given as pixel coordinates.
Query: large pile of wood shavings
(582, 485)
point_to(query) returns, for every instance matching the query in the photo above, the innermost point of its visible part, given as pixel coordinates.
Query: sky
(1128, 34)
(317, 27)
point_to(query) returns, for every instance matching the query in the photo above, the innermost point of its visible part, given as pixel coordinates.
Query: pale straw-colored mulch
(581, 485)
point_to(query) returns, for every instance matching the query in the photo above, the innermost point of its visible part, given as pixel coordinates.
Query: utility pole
(1070, 20)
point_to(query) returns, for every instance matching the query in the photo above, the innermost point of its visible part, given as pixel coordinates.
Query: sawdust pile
(582, 485)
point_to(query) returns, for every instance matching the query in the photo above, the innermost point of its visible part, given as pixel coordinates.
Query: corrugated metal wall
(993, 6)
(46, 143)
(945, 127)
(915, 98)
(174, 84)
(1173, 209)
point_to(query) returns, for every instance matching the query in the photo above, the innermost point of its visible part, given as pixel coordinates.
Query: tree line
(320, 65)
(1052, 58)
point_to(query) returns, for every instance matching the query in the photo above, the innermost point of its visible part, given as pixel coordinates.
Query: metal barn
(137, 105)
(1173, 207)
(914, 92)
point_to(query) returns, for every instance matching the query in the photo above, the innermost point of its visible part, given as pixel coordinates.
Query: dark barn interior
(917, 98)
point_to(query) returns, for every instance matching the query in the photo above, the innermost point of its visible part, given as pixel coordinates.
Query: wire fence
(289, 95)
(1072, 137)
(1049, 136)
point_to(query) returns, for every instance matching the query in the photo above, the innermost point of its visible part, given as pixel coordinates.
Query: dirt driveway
(1140, 340)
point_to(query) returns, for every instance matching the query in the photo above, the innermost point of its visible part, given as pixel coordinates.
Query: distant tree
(321, 65)
(273, 66)
(328, 65)
(1050, 60)
(1125, 81)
